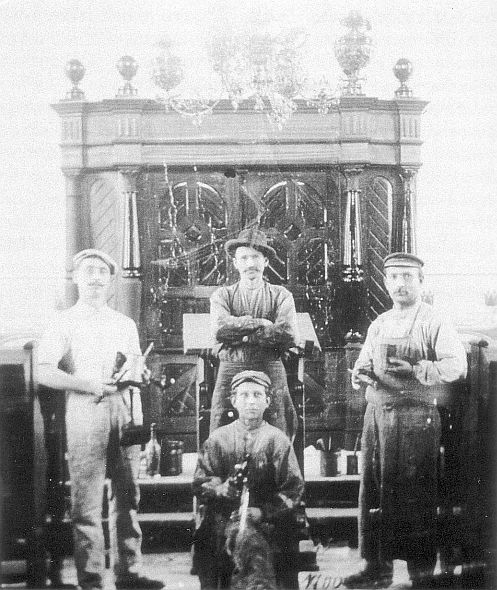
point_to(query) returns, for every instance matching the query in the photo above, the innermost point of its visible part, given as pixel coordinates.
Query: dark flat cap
(252, 376)
(94, 253)
(251, 238)
(402, 259)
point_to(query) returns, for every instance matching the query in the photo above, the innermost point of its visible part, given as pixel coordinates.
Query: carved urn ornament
(127, 67)
(402, 71)
(353, 52)
(75, 71)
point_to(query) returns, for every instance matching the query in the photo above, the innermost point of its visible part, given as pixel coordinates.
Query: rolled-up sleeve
(450, 364)
(226, 327)
(284, 331)
(365, 360)
(53, 345)
(290, 485)
(209, 473)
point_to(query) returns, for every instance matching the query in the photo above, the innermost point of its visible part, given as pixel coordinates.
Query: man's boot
(372, 576)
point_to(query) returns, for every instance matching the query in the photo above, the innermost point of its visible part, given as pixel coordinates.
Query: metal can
(172, 457)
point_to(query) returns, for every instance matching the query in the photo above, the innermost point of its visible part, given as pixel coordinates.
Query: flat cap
(253, 376)
(94, 253)
(402, 259)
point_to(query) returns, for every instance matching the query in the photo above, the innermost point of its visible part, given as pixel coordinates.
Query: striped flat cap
(402, 259)
(253, 376)
(94, 253)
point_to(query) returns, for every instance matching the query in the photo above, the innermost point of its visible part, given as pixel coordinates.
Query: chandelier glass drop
(263, 72)
(168, 74)
(263, 69)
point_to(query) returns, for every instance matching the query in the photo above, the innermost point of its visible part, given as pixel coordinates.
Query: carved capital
(73, 178)
(353, 175)
(408, 175)
(128, 176)
(71, 172)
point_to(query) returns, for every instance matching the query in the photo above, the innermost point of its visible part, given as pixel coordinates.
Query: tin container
(328, 461)
(171, 457)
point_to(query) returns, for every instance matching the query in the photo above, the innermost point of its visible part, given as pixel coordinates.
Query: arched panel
(380, 206)
(293, 209)
(105, 218)
(104, 213)
(275, 207)
(193, 220)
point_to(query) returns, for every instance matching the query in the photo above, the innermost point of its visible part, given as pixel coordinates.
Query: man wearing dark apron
(408, 353)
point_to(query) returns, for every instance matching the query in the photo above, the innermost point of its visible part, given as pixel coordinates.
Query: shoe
(367, 579)
(62, 586)
(138, 583)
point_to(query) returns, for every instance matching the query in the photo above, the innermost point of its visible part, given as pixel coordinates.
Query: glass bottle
(152, 452)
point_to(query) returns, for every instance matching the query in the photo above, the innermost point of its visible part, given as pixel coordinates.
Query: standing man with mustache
(408, 353)
(253, 323)
(77, 355)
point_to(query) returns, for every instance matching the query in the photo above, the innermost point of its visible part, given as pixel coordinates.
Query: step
(176, 482)
(314, 515)
(168, 518)
(322, 515)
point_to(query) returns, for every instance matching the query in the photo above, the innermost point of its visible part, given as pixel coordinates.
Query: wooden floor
(335, 562)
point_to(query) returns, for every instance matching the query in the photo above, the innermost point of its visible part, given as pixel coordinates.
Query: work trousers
(93, 432)
(281, 412)
(398, 491)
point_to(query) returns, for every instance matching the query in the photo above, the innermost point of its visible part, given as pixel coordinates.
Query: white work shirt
(86, 340)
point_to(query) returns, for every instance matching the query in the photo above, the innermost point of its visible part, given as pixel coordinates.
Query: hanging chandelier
(262, 69)
(263, 72)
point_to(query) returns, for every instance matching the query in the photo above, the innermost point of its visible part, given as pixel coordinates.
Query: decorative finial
(353, 51)
(127, 67)
(167, 68)
(402, 71)
(75, 71)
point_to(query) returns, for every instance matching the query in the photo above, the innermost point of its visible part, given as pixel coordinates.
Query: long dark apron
(400, 443)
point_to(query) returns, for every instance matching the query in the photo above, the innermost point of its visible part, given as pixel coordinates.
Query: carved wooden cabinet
(335, 193)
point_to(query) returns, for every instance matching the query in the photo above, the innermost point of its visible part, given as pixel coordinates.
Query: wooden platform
(167, 505)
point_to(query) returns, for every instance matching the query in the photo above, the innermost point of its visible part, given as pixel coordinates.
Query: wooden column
(407, 230)
(352, 253)
(352, 295)
(129, 295)
(74, 241)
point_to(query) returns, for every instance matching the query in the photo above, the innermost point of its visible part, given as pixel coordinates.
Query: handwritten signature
(321, 582)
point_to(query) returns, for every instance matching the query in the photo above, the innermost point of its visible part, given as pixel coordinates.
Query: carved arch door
(186, 225)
